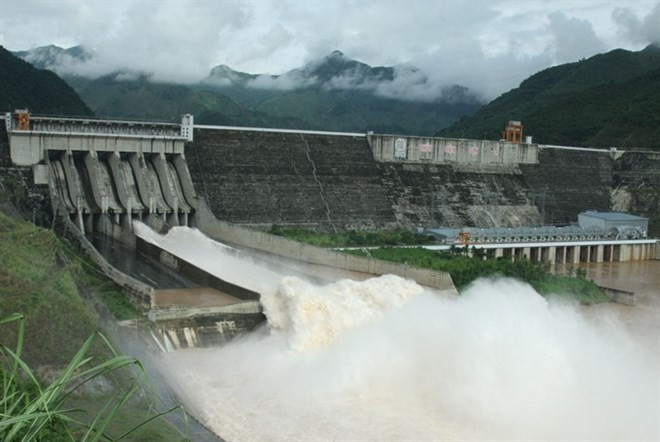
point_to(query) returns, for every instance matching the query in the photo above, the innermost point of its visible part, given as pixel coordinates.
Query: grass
(353, 238)
(30, 410)
(36, 280)
(42, 283)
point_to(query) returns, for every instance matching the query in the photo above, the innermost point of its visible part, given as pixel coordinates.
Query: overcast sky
(489, 46)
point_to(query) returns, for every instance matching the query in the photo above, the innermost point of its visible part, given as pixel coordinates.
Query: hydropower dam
(102, 178)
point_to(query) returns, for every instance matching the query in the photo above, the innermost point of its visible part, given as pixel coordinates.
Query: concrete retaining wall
(620, 296)
(567, 182)
(259, 179)
(138, 293)
(243, 237)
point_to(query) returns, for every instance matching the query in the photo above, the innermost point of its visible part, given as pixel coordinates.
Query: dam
(351, 366)
(233, 184)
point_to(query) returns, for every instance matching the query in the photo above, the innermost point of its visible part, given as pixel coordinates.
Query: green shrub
(464, 269)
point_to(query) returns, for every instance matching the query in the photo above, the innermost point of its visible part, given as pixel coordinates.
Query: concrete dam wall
(566, 182)
(346, 181)
(265, 178)
(334, 181)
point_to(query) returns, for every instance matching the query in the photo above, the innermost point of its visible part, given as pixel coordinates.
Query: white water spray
(384, 360)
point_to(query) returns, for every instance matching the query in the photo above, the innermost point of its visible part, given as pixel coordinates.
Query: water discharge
(383, 359)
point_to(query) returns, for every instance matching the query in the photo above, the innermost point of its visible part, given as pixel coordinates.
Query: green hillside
(40, 91)
(354, 111)
(332, 93)
(309, 108)
(610, 99)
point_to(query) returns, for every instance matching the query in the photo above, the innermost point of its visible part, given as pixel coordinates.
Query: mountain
(41, 91)
(139, 98)
(332, 93)
(610, 99)
(340, 94)
(53, 57)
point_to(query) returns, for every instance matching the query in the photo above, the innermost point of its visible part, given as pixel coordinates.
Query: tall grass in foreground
(31, 411)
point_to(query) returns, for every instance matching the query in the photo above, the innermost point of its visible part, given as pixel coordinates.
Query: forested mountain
(41, 91)
(610, 99)
(333, 93)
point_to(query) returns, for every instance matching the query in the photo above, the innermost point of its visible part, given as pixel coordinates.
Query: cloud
(645, 30)
(290, 81)
(573, 38)
(489, 46)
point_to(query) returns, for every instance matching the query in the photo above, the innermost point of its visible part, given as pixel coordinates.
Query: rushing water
(383, 359)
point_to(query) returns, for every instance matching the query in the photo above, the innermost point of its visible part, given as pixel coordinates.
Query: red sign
(474, 151)
(450, 149)
(426, 147)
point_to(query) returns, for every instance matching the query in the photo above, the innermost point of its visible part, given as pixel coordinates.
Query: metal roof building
(617, 224)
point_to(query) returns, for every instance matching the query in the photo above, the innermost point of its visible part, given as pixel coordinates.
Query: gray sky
(489, 46)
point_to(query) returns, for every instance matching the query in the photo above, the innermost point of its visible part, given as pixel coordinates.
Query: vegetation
(40, 91)
(225, 98)
(610, 99)
(52, 361)
(353, 238)
(465, 269)
(462, 268)
(30, 410)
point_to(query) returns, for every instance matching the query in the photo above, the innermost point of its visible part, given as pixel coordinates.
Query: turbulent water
(383, 359)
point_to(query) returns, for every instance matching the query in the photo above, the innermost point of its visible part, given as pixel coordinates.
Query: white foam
(380, 360)
(311, 317)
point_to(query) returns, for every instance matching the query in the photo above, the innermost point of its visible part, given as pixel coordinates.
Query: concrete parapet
(448, 150)
(30, 147)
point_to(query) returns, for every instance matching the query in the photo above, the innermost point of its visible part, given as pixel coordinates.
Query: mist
(384, 359)
(387, 359)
